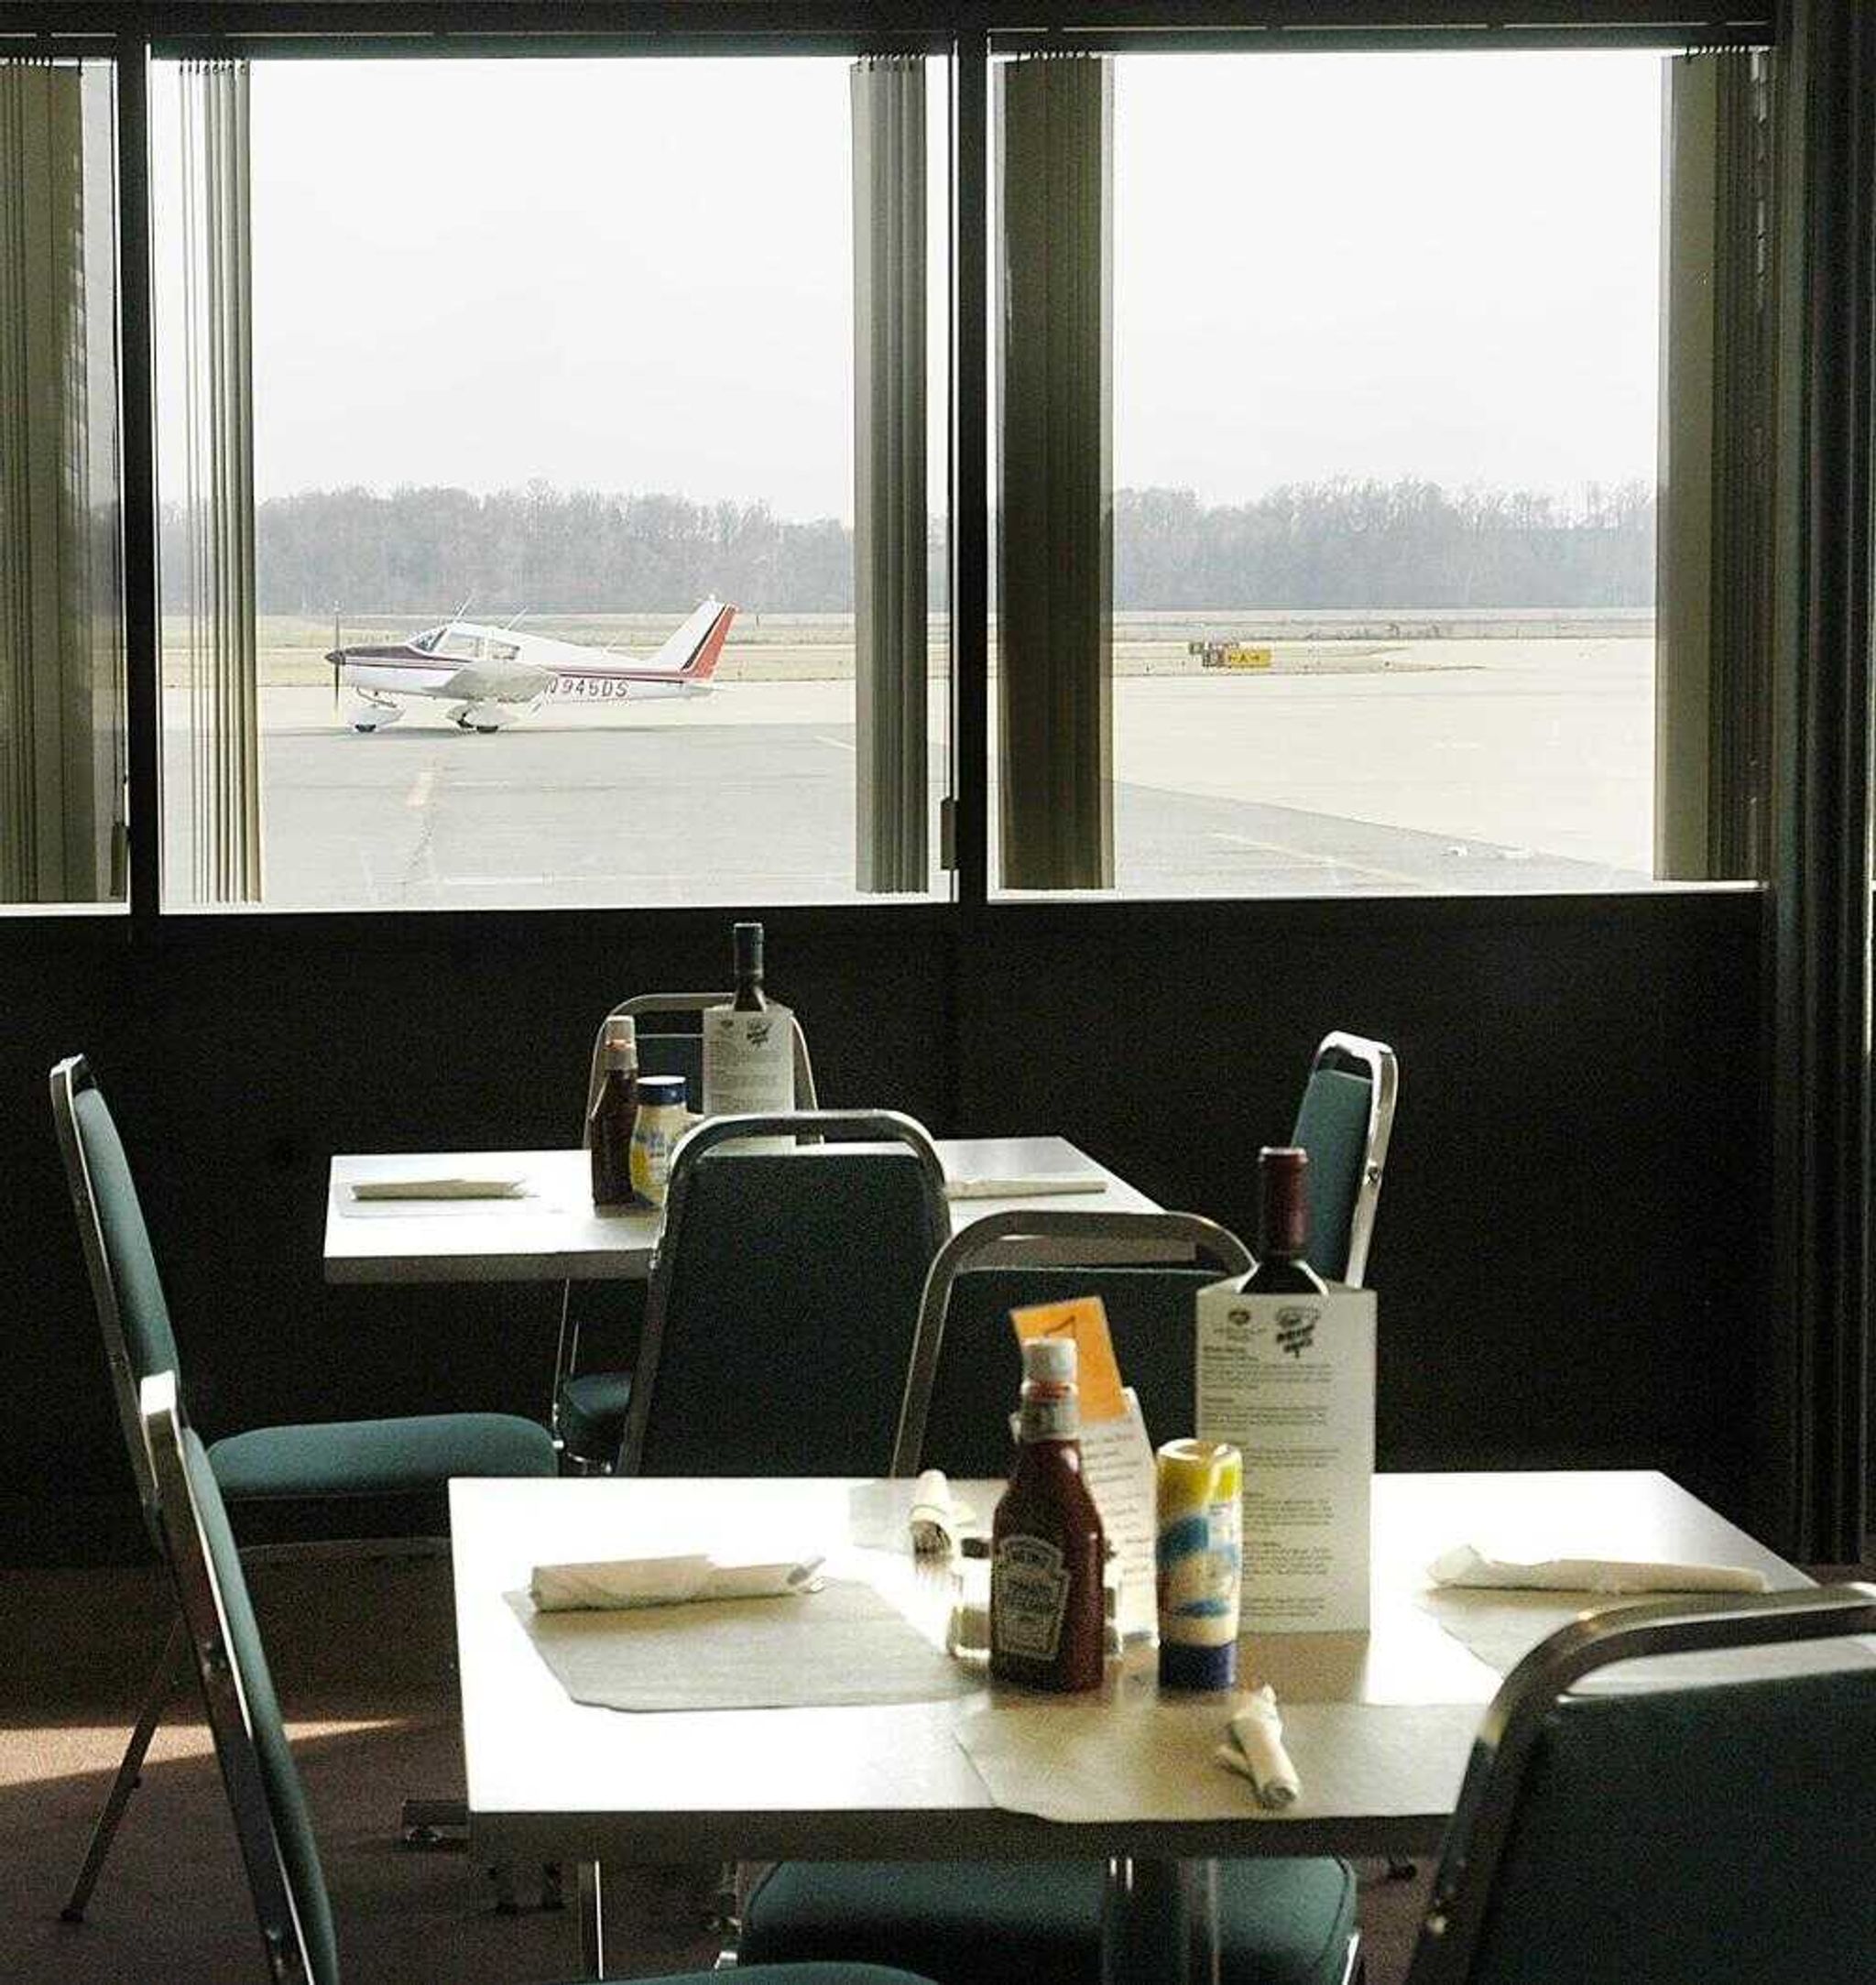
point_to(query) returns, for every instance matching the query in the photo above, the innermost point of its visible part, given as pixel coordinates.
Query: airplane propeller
(337, 658)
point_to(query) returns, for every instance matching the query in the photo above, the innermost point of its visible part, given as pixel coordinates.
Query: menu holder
(1290, 1379)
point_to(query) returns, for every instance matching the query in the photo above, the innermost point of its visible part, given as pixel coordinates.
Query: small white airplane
(496, 675)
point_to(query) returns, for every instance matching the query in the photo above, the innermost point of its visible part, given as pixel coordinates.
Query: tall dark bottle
(1048, 1621)
(614, 1115)
(749, 950)
(1282, 1249)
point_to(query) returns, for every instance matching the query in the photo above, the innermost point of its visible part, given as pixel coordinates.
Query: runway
(1487, 766)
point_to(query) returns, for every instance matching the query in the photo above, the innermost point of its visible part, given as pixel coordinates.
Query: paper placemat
(1502, 1627)
(842, 1644)
(1117, 1761)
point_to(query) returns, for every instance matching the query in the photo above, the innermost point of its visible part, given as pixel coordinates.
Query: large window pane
(1384, 362)
(551, 361)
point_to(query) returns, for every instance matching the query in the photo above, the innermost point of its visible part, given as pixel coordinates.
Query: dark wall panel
(1566, 1251)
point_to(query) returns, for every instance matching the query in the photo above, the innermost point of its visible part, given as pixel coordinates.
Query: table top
(550, 1777)
(554, 1233)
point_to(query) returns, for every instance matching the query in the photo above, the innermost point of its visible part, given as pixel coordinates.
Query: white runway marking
(419, 794)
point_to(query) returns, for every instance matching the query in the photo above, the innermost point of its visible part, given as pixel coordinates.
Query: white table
(550, 1779)
(555, 1234)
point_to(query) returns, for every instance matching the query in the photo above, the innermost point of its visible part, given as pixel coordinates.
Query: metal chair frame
(566, 1354)
(877, 1125)
(424, 1822)
(1451, 1931)
(204, 1616)
(1378, 1061)
(1017, 1238)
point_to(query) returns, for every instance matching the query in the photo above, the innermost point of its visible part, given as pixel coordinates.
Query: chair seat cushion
(377, 1457)
(593, 1413)
(1038, 1922)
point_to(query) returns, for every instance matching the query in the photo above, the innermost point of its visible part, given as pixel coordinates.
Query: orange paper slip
(1085, 1319)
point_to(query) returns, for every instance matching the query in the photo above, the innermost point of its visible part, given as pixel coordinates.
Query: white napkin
(937, 1517)
(1256, 1751)
(438, 1188)
(1465, 1566)
(619, 1584)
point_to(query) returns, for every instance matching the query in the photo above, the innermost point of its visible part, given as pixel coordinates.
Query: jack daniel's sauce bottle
(1047, 1550)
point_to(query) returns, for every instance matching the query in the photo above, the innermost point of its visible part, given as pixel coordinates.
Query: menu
(1117, 1457)
(1290, 1380)
(748, 1065)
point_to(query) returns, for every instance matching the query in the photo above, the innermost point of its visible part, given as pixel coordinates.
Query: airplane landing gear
(483, 718)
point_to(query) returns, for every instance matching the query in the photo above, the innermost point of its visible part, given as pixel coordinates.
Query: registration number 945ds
(591, 688)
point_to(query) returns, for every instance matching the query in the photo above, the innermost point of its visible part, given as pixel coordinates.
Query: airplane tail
(690, 654)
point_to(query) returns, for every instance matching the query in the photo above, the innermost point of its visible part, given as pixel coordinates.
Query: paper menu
(1116, 1454)
(1290, 1379)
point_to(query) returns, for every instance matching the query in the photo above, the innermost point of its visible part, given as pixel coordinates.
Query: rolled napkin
(451, 1188)
(1465, 1566)
(621, 1584)
(1255, 1752)
(937, 1518)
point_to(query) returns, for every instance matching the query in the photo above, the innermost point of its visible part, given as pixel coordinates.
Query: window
(1346, 580)
(597, 393)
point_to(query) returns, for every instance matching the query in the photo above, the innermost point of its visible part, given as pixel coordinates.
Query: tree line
(1346, 543)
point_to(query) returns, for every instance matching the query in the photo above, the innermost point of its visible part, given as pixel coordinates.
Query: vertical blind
(61, 628)
(1056, 535)
(890, 607)
(220, 649)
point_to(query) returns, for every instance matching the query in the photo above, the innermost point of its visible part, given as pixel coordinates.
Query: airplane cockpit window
(465, 647)
(423, 643)
(503, 650)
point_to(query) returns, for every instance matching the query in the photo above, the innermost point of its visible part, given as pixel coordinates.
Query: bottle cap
(1049, 1359)
(618, 1042)
(661, 1092)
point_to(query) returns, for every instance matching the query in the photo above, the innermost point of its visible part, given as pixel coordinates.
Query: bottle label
(654, 1136)
(1029, 1598)
(1056, 1419)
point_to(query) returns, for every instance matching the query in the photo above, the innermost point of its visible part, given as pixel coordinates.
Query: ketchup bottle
(1048, 1628)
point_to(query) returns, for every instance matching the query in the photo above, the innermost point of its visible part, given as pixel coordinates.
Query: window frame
(967, 34)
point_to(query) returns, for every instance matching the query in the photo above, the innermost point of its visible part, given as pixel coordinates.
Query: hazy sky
(636, 274)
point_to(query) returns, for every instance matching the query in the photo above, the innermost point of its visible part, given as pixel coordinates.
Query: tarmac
(1501, 766)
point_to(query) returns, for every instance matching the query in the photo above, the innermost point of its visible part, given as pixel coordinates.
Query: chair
(1038, 1922)
(272, 1825)
(588, 1409)
(1344, 1123)
(784, 1298)
(1676, 1835)
(363, 1458)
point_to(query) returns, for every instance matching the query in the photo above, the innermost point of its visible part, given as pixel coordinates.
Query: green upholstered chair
(327, 1462)
(273, 1826)
(784, 1297)
(589, 1408)
(1344, 1123)
(1672, 1835)
(1281, 1922)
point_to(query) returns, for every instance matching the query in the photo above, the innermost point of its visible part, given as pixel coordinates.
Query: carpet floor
(360, 1650)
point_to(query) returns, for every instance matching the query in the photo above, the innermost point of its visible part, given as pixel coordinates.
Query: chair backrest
(784, 1299)
(966, 1370)
(1344, 1123)
(682, 1054)
(272, 1824)
(127, 1291)
(1677, 1835)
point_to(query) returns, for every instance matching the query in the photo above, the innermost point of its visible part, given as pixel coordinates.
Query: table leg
(1160, 1922)
(592, 1920)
